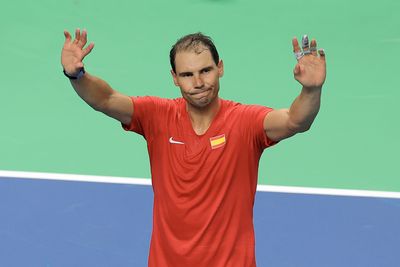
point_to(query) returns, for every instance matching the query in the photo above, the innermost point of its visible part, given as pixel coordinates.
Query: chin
(199, 103)
(202, 103)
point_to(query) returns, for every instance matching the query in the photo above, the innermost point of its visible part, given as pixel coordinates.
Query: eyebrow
(191, 73)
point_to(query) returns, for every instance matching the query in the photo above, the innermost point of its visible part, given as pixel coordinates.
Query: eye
(186, 74)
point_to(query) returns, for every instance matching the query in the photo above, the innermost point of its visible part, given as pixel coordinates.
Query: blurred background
(354, 142)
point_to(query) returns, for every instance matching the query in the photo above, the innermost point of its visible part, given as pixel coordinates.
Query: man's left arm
(310, 72)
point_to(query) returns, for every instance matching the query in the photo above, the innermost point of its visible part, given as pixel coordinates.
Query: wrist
(312, 89)
(75, 76)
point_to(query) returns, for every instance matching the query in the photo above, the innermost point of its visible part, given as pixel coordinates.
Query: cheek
(185, 88)
(214, 79)
(185, 84)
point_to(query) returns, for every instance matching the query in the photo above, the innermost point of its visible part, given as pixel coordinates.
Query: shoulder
(154, 99)
(229, 106)
(155, 102)
(236, 108)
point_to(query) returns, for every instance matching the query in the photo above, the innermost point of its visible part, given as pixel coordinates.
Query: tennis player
(204, 150)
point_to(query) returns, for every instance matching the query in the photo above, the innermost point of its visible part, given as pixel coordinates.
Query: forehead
(193, 60)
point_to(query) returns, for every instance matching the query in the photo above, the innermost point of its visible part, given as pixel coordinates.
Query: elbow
(305, 128)
(298, 127)
(101, 107)
(96, 107)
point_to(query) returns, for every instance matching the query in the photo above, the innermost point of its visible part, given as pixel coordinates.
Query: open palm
(73, 52)
(310, 70)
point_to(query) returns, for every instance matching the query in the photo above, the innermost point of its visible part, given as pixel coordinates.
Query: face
(197, 75)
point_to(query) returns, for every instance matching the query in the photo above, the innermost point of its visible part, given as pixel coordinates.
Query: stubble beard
(203, 102)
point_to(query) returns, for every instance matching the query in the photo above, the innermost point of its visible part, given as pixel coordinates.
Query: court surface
(46, 223)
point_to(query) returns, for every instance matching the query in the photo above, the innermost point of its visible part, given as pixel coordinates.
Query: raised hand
(310, 70)
(74, 52)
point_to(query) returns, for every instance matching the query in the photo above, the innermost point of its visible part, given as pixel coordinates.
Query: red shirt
(204, 185)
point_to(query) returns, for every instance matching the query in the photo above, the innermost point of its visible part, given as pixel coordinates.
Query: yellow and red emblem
(217, 141)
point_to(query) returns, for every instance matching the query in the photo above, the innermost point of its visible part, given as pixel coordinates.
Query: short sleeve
(253, 117)
(263, 138)
(145, 109)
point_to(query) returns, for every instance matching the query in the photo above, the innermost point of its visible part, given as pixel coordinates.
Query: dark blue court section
(295, 230)
(60, 224)
(57, 224)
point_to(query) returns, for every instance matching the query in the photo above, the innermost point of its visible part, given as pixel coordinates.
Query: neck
(201, 118)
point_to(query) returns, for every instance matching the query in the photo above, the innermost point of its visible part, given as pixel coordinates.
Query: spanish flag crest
(217, 141)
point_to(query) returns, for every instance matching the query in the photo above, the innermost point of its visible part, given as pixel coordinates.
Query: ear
(174, 77)
(220, 68)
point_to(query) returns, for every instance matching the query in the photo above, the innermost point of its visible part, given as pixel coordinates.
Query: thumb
(79, 65)
(296, 70)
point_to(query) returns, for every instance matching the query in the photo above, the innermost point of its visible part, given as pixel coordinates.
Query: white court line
(74, 177)
(328, 191)
(146, 181)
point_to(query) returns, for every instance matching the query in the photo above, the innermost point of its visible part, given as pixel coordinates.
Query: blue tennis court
(46, 223)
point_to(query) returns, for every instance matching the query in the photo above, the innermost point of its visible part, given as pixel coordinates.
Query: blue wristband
(77, 77)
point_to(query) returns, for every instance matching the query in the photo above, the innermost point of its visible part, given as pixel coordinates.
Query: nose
(198, 82)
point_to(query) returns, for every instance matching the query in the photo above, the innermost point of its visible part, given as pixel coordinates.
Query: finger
(313, 47)
(83, 39)
(296, 47)
(298, 54)
(321, 53)
(88, 49)
(67, 36)
(77, 35)
(305, 44)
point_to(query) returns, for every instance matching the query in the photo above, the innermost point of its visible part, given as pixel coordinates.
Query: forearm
(94, 91)
(304, 109)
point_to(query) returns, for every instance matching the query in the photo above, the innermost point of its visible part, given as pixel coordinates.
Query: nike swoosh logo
(172, 141)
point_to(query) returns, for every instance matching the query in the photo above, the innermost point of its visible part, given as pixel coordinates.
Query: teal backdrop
(354, 142)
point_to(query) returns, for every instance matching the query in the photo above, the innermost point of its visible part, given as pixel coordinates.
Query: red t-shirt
(204, 185)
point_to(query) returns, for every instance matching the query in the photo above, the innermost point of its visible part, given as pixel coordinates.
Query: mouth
(199, 93)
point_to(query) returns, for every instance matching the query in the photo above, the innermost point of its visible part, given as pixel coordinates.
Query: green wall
(353, 143)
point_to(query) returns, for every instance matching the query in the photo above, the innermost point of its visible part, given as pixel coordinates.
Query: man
(204, 151)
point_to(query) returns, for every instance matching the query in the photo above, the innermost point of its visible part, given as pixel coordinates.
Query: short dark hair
(192, 42)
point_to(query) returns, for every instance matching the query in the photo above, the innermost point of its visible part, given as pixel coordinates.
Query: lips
(199, 92)
(201, 95)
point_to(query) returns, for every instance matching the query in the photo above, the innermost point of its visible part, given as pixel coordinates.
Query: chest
(177, 140)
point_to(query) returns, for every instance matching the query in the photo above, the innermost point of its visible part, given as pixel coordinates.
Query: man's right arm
(101, 97)
(94, 91)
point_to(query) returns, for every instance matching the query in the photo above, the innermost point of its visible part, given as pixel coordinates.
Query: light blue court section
(46, 223)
